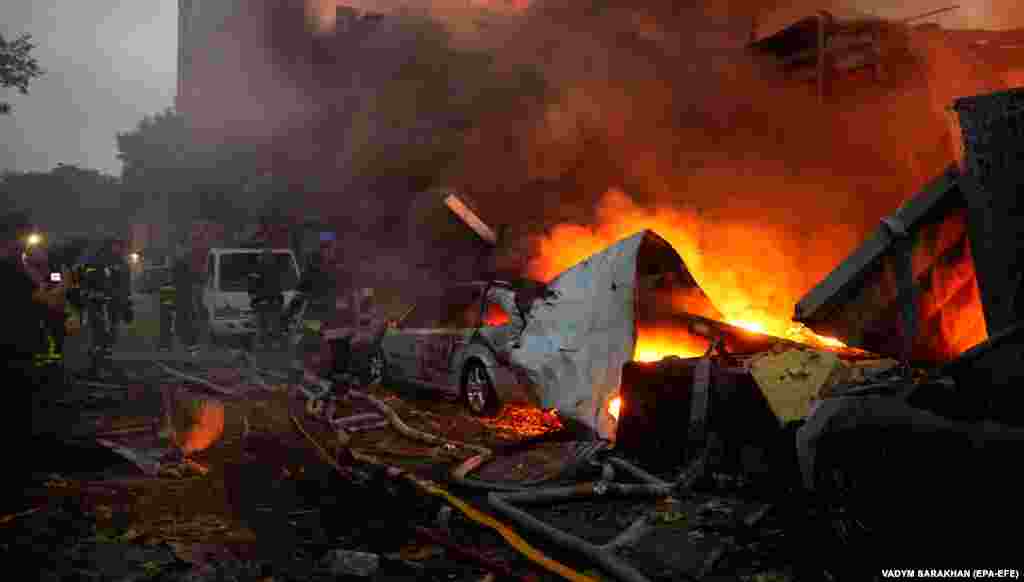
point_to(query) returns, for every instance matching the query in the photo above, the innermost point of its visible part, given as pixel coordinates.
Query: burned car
(559, 345)
(456, 340)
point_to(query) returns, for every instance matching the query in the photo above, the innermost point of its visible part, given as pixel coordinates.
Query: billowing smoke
(538, 109)
(759, 186)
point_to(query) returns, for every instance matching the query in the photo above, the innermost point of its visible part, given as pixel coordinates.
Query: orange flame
(615, 407)
(657, 343)
(495, 315)
(752, 279)
(202, 424)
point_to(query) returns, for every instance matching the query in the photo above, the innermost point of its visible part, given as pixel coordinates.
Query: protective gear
(167, 314)
(188, 301)
(266, 297)
(74, 296)
(52, 356)
(106, 293)
(167, 295)
(50, 298)
(72, 326)
(103, 325)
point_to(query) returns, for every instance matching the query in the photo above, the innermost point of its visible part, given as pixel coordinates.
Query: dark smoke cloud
(662, 101)
(665, 101)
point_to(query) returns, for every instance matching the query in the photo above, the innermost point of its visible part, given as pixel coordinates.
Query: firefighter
(188, 278)
(25, 308)
(106, 292)
(317, 289)
(267, 298)
(21, 322)
(167, 295)
(50, 359)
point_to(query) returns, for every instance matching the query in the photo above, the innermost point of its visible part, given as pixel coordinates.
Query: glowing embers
(525, 421)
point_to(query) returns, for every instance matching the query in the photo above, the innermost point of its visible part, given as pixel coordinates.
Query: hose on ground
(501, 495)
(518, 543)
(459, 474)
(605, 554)
(195, 380)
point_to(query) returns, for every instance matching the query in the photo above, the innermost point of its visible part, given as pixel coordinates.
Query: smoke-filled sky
(108, 64)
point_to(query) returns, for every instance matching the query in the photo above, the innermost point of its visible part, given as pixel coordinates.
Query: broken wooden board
(793, 379)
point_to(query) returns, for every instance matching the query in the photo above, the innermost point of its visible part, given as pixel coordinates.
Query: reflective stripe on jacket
(50, 356)
(167, 293)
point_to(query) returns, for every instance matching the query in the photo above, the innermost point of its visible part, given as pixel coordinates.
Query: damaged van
(558, 345)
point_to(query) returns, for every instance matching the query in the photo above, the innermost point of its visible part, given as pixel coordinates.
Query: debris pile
(673, 409)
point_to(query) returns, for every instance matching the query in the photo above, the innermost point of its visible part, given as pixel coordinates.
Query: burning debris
(718, 401)
(866, 299)
(525, 421)
(727, 298)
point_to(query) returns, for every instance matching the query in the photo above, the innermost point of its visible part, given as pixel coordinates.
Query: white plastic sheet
(575, 343)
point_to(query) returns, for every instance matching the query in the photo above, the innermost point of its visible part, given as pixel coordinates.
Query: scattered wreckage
(939, 287)
(885, 445)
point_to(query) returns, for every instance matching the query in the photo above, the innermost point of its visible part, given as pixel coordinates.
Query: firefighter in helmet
(106, 292)
(53, 325)
(167, 294)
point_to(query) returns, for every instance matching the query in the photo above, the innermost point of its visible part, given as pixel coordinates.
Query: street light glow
(134, 257)
(34, 239)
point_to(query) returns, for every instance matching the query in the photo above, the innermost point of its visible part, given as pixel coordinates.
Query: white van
(226, 295)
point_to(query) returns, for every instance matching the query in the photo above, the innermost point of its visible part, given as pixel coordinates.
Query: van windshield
(235, 269)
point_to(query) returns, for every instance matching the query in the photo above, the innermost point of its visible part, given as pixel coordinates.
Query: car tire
(478, 394)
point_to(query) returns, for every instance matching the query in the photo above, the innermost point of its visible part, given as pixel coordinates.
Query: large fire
(760, 304)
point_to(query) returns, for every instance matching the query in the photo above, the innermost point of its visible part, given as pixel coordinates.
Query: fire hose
(458, 474)
(502, 499)
(194, 380)
(517, 542)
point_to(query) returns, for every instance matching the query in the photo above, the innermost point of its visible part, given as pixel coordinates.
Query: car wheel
(478, 392)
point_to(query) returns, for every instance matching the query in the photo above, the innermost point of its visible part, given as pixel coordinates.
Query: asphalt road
(138, 343)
